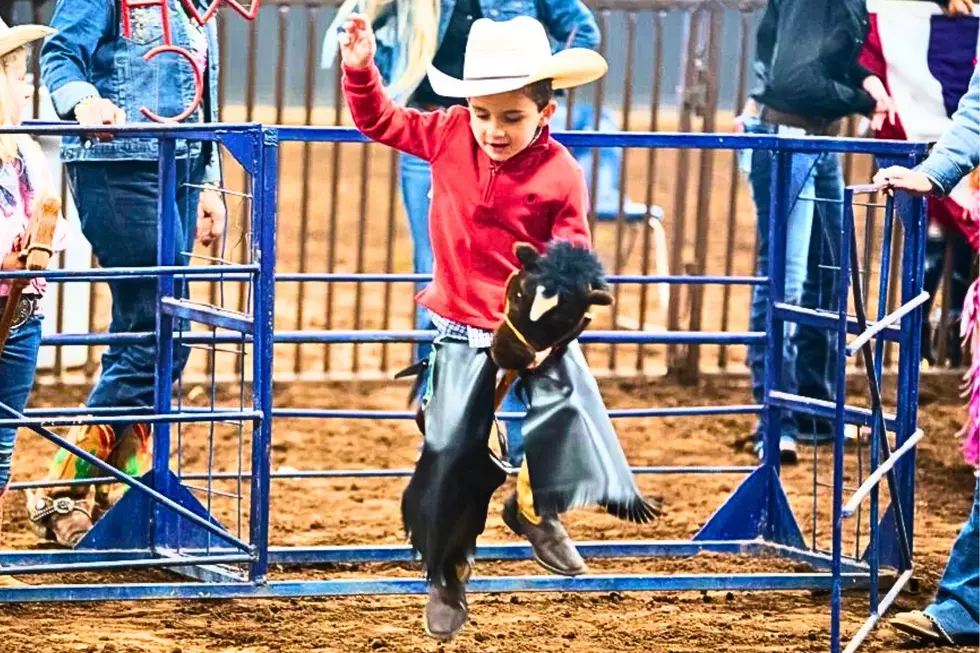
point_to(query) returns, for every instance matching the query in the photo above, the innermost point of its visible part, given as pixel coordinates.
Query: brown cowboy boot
(133, 455)
(447, 611)
(65, 514)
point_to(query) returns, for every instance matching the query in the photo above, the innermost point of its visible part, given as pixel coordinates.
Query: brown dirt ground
(362, 511)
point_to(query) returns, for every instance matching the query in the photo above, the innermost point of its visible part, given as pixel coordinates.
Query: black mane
(566, 269)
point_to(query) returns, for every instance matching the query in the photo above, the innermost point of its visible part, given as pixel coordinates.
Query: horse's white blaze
(542, 304)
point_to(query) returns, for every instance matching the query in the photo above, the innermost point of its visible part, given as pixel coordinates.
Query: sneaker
(787, 450)
(553, 548)
(446, 612)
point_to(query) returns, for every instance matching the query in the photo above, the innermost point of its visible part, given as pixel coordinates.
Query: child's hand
(959, 7)
(901, 178)
(13, 261)
(357, 44)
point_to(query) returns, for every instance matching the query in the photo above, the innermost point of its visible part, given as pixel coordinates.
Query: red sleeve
(872, 57)
(377, 117)
(572, 222)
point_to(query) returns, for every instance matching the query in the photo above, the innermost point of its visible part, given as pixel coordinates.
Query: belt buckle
(23, 312)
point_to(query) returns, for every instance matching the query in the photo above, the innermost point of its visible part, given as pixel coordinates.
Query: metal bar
(77, 567)
(734, 186)
(159, 418)
(312, 39)
(665, 140)
(164, 336)
(823, 319)
(875, 477)
(204, 314)
(627, 107)
(117, 274)
(679, 223)
(905, 543)
(599, 93)
(344, 336)
(129, 481)
(390, 234)
(361, 246)
(370, 277)
(885, 322)
(658, 50)
(692, 366)
(848, 257)
(823, 408)
(674, 411)
(404, 586)
(882, 608)
(338, 104)
(263, 361)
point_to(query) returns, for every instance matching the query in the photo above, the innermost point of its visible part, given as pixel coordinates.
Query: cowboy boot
(447, 610)
(133, 454)
(65, 514)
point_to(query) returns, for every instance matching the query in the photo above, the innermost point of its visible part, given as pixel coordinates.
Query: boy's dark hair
(541, 93)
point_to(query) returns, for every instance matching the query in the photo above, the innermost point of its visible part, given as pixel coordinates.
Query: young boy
(497, 179)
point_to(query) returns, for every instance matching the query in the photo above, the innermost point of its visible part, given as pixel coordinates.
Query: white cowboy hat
(18, 36)
(506, 56)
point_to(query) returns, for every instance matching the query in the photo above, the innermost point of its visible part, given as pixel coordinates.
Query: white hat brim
(566, 69)
(20, 35)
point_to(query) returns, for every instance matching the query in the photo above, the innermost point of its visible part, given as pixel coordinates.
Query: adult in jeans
(808, 79)
(98, 76)
(953, 618)
(411, 34)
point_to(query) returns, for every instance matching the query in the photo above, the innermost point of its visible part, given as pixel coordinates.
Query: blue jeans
(18, 364)
(956, 609)
(812, 246)
(117, 207)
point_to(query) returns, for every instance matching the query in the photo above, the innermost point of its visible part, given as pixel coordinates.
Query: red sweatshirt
(480, 208)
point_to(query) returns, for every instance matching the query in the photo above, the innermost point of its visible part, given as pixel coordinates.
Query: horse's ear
(527, 255)
(600, 298)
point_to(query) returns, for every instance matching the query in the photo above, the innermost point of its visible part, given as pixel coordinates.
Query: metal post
(264, 251)
(847, 225)
(780, 163)
(163, 386)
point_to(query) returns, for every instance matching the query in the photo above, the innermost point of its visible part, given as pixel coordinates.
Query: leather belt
(27, 307)
(813, 126)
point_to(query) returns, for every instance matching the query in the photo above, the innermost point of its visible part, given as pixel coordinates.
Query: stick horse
(573, 457)
(36, 253)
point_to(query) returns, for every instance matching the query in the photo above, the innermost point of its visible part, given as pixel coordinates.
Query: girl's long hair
(416, 29)
(8, 106)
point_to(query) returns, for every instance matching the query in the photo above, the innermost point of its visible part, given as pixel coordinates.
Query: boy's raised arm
(380, 119)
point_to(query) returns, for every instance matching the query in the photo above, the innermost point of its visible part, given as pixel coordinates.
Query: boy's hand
(901, 178)
(357, 44)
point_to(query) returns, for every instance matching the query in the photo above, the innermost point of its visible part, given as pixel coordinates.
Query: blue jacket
(957, 152)
(89, 56)
(561, 19)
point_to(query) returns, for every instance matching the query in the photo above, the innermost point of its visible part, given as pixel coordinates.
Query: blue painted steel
(827, 320)
(874, 559)
(381, 586)
(615, 413)
(201, 415)
(166, 288)
(757, 508)
(208, 272)
(214, 316)
(822, 408)
(352, 277)
(152, 563)
(840, 402)
(128, 524)
(264, 297)
(658, 140)
(342, 336)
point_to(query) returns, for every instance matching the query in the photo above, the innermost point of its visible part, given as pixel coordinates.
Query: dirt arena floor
(362, 511)
(363, 231)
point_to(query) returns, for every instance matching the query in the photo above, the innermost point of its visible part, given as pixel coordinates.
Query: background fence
(675, 65)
